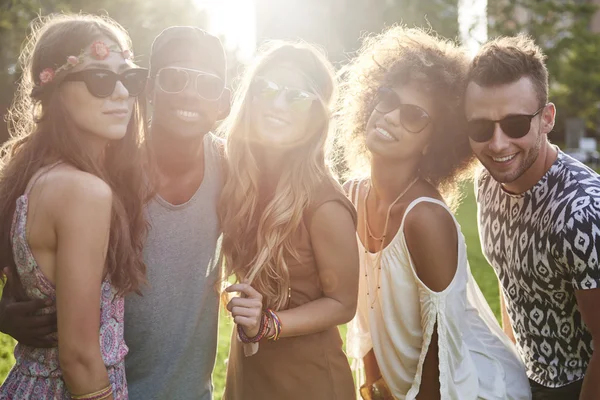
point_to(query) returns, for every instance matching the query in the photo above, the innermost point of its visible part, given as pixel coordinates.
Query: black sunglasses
(514, 126)
(296, 99)
(174, 80)
(102, 82)
(413, 118)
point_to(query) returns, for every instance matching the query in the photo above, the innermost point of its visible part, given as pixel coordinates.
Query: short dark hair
(505, 60)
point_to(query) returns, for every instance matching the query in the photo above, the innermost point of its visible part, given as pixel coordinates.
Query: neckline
(410, 205)
(207, 165)
(539, 183)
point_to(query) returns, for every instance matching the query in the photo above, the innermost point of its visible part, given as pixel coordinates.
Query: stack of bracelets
(267, 316)
(99, 395)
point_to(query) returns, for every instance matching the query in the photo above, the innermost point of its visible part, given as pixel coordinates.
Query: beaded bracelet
(262, 331)
(99, 395)
(277, 325)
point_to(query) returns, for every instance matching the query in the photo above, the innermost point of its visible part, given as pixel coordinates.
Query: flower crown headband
(98, 51)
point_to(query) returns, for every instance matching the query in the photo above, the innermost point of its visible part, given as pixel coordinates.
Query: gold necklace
(382, 239)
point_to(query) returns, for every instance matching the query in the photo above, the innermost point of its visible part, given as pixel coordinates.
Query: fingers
(44, 331)
(24, 308)
(244, 302)
(41, 321)
(246, 322)
(245, 289)
(246, 312)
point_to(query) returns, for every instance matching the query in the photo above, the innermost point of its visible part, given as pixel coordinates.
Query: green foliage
(562, 29)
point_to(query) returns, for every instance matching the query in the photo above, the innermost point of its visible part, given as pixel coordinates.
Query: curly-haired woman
(422, 327)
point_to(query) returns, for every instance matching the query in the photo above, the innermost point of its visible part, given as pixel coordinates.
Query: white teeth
(504, 159)
(187, 115)
(384, 133)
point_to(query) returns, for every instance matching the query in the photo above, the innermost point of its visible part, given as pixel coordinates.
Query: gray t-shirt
(172, 330)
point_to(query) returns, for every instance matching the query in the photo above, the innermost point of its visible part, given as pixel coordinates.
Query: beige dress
(303, 367)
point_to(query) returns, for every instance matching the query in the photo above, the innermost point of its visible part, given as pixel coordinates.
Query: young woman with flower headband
(288, 234)
(71, 204)
(422, 327)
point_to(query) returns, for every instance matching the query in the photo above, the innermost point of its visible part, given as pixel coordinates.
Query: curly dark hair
(394, 57)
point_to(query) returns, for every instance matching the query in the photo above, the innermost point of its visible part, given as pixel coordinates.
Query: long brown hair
(42, 133)
(256, 240)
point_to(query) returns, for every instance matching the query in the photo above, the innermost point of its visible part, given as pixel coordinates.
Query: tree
(338, 25)
(562, 29)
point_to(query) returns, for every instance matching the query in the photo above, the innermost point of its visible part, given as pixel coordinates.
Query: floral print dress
(36, 373)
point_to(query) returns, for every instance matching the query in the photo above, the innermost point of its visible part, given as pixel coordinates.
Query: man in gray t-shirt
(171, 330)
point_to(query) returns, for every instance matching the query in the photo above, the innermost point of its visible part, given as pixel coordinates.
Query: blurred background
(568, 31)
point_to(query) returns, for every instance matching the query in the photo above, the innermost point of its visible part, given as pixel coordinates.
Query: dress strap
(428, 200)
(354, 190)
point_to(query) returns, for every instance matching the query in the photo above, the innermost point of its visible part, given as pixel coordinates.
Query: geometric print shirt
(544, 245)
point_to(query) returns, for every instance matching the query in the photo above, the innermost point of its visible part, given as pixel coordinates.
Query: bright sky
(472, 21)
(236, 21)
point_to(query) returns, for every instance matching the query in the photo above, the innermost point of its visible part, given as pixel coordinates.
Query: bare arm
(332, 233)
(506, 325)
(82, 228)
(588, 301)
(432, 241)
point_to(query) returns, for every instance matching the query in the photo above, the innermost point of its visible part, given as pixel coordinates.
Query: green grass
(483, 273)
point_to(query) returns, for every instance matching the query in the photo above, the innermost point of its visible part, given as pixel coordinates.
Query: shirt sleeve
(576, 247)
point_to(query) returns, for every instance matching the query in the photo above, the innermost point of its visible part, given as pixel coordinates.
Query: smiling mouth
(385, 134)
(505, 158)
(187, 115)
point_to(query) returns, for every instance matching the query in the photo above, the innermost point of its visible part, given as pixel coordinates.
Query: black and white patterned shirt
(544, 244)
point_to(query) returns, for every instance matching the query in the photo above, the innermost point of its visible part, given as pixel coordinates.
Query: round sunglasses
(412, 118)
(174, 80)
(514, 126)
(267, 91)
(102, 82)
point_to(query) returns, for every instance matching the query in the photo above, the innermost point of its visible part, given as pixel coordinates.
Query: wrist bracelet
(99, 395)
(262, 331)
(277, 325)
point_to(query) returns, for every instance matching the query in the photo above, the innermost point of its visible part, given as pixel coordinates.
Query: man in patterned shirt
(539, 221)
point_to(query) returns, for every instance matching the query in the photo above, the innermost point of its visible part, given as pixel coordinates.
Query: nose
(392, 117)
(499, 141)
(279, 102)
(120, 91)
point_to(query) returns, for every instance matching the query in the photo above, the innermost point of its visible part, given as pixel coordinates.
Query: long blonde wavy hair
(257, 241)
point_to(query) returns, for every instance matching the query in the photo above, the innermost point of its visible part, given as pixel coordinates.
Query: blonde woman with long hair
(288, 233)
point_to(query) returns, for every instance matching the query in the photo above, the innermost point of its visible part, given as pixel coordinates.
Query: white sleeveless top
(477, 360)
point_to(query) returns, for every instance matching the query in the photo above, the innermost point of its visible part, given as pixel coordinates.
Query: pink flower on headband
(99, 50)
(127, 54)
(73, 60)
(46, 76)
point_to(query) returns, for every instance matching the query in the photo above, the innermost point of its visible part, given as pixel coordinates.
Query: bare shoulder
(68, 187)
(427, 218)
(432, 240)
